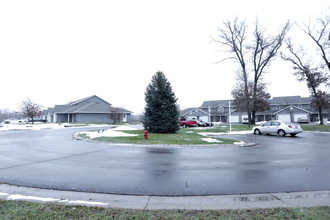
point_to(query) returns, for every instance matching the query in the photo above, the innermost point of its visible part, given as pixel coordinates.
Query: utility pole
(229, 118)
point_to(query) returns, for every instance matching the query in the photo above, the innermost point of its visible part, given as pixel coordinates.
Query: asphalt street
(52, 159)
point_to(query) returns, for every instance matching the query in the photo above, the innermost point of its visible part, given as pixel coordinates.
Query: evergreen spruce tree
(161, 113)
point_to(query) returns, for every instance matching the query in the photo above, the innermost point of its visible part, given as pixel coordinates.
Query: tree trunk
(321, 116)
(253, 119)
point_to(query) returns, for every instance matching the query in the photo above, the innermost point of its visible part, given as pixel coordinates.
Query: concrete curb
(250, 201)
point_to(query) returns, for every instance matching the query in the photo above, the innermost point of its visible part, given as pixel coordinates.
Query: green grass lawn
(182, 137)
(191, 136)
(321, 128)
(32, 210)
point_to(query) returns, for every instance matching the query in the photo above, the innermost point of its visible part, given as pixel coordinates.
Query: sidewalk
(268, 200)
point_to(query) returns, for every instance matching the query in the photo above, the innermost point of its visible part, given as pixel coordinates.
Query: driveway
(53, 159)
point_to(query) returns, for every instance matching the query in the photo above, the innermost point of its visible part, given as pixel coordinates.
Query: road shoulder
(247, 201)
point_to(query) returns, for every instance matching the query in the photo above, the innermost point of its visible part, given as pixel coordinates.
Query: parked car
(245, 121)
(11, 121)
(37, 120)
(278, 127)
(200, 123)
(187, 123)
(303, 120)
(208, 124)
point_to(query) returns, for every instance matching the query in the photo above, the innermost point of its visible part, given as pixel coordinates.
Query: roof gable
(293, 107)
(185, 111)
(89, 99)
(91, 104)
(194, 111)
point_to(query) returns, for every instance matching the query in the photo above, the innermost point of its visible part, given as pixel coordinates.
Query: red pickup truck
(187, 123)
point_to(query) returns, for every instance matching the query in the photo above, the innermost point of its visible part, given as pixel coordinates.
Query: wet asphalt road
(53, 159)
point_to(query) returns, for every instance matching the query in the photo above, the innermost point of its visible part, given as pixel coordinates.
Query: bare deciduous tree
(319, 32)
(264, 48)
(116, 114)
(233, 36)
(30, 109)
(313, 76)
(253, 55)
(306, 66)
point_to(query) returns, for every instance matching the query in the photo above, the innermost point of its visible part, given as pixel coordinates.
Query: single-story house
(86, 110)
(287, 108)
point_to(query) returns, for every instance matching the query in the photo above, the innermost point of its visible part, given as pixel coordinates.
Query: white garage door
(191, 117)
(204, 118)
(284, 117)
(234, 118)
(297, 116)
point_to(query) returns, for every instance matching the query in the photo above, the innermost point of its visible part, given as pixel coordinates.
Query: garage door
(191, 117)
(234, 118)
(204, 118)
(297, 116)
(284, 117)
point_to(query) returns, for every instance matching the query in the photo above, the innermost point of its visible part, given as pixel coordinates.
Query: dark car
(201, 123)
(303, 120)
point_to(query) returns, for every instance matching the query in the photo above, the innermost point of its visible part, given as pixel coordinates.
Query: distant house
(287, 108)
(86, 110)
(195, 113)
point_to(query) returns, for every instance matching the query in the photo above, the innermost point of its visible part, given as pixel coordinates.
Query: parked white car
(245, 121)
(11, 121)
(278, 127)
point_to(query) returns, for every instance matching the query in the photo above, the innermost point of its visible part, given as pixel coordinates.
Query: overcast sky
(59, 51)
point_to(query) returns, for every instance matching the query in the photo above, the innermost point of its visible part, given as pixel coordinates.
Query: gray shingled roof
(274, 101)
(289, 100)
(123, 110)
(215, 103)
(185, 111)
(88, 108)
(62, 108)
(83, 99)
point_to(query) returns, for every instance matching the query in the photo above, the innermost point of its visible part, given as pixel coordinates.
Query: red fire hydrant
(145, 135)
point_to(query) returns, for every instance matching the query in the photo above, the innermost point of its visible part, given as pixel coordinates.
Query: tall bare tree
(264, 48)
(319, 33)
(313, 76)
(233, 36)
(30, 109)
(307, 67)
(252, 55)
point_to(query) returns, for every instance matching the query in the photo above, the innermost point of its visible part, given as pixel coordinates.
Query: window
(266, 124)
(275, 124)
